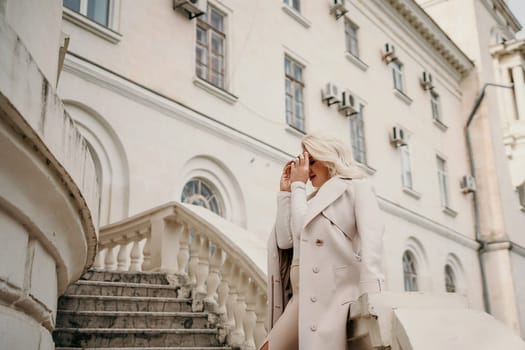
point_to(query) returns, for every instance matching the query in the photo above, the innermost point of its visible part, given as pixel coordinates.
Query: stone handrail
(203, 252)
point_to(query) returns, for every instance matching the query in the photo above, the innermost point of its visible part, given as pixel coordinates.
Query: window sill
(412, 192)
(294, 131)
(366, 168)
(450, 212)
(440, 124)
(355, 60)
(296, 15)
(222, 94)
(91, 26)
(402, 96)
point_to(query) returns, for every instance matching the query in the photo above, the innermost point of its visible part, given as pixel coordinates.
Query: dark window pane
(98, 11)
(72, 5)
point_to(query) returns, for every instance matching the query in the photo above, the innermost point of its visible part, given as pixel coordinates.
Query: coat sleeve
(283, 231)
(370, 228)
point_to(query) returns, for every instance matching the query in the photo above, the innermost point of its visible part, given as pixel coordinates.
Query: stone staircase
(132, 310)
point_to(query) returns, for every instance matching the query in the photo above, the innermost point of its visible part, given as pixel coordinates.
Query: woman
(336, 237)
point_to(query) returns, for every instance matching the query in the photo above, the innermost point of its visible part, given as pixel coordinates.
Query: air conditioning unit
(398, 137)
(193, 8)
(348, 104)
(389, 53)
(468, 184)
(426, 80)
(338, 8)
(330, 94)
(521, 193)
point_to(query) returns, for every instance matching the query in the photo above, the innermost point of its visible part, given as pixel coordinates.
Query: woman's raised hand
(300, 168)
(285, 183)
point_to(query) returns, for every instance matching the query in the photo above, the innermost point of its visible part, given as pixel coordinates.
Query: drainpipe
(483, 244)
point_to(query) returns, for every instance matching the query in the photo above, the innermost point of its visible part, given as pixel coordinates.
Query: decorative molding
(423, 24)
(442, 126)
(294, 131)
(450, 211)
(357, 61)
(104, 78)
(91, 26)
(218, 92)
(366, 168)
(402, 96)
(296, 15)
(412, 192)
(427, 223)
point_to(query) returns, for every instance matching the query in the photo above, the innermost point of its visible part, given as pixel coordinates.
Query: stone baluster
(111, 261)
(194, 258)
(224, 290)
(237, 335)
(99, 263)
(123, 256)
(231, 303)
(135, 257)
(147, 264)
(184, 254)
(260, 311)
(214, 279)
(250, 318)
(201, 273)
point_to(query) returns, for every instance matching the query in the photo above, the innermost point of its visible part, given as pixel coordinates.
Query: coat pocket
(346, 283)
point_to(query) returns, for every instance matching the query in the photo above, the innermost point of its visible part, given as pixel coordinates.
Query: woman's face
(319, 172)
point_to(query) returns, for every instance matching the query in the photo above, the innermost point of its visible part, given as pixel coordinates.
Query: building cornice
(423, 24)
(499, 6)
(509, 47)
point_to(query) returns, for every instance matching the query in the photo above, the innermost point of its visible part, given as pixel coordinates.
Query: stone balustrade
(201, 251)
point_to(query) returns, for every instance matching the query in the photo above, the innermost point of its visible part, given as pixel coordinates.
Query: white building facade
(208, 109)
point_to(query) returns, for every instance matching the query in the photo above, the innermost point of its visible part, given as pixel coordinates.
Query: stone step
(126, 277)
(151, 320)
(122, 289)
(111, 303)
(155, 348)
(114, 337)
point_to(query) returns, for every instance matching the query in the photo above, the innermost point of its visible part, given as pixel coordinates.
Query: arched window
(410, 272)
(201, 193)
(450, 279)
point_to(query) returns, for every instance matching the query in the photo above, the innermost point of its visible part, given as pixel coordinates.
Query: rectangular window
(211, 47)
(295, 4)
(406, 166)
(357, 136)
(294, 86)
(352, 46)
(397, 71)
(96, 10)
(442, 179)
(435, 105)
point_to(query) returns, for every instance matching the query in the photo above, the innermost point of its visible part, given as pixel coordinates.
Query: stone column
(519, 91)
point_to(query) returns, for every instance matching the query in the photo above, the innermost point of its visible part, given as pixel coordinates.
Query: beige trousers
(285, 334)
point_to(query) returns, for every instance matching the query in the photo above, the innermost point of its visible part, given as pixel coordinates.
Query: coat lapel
(326, 194)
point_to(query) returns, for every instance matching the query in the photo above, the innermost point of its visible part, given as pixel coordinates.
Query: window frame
(109, 33)
(83, 11)
(398, 75)
(451, 280)
(351, 36)
(443, 181)
(410, 272)
(216, 195)
(357, 136)
(435, 105)
(407, 174)
(203, 23)
(291, 119)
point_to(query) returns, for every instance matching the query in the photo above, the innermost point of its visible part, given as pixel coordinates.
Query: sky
(518, 8)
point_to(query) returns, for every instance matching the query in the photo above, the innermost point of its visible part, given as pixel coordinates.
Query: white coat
(340, 259)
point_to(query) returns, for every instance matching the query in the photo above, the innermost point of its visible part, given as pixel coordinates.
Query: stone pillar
(519, 91)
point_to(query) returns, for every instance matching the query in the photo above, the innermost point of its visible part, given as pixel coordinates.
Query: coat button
(319, 242)
(313, 299)
(315, 269)
(313, 328)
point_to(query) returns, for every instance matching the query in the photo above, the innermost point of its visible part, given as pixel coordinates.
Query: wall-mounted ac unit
(330, 94)
(338, 8)
(193, 8)
(468, 184)
(398, 137)
(521, 193)
(389, 53)
(348, 104)
(426, 80)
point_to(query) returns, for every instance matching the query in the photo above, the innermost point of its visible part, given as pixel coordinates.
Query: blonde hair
(335, 155)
